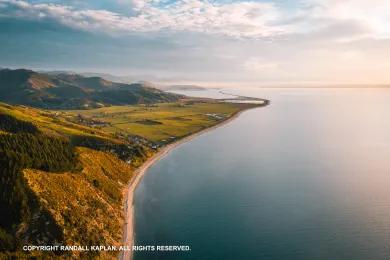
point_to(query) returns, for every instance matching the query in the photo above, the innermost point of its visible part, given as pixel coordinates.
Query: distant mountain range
(183, 88)
(148, 80)
(69, 91)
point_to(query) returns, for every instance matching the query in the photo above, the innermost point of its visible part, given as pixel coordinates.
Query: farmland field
(160, 122)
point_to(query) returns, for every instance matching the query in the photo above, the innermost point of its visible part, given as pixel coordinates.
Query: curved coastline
(128, 231)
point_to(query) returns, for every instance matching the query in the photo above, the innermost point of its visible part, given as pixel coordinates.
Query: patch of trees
(148, 122)
(11, 124)
(123, 151)
(41, 152)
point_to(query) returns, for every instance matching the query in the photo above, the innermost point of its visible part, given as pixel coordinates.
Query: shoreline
(128, 230)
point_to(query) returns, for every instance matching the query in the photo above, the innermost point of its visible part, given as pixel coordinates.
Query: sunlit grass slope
(51, 122)
(86, 205)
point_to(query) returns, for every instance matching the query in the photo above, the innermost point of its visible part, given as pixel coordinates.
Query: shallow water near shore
(307, 177)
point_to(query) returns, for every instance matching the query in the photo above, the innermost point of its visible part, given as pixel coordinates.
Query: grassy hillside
(65, 91)
(54, 192)
(86, 205)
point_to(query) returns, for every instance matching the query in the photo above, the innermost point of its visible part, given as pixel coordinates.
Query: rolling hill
(70, 91)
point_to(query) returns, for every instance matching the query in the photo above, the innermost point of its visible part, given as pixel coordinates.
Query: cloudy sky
(210, 42)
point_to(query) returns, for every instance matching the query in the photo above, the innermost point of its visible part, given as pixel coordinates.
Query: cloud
(242, 19)
(249, 40)
(374, 15)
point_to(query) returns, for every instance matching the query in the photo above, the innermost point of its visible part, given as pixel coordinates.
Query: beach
(128, 231)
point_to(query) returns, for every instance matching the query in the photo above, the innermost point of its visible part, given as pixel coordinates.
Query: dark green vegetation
(148, 122)
(10, 124)
(65, 91)
(124, 151)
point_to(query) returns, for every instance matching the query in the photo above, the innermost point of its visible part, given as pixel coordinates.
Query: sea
(306, 177)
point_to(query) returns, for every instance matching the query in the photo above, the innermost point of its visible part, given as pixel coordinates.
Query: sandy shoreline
(128, 232)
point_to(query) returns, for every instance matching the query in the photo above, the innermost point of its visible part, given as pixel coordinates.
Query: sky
(215, 42)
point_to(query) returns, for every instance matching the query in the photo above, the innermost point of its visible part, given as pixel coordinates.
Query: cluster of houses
(90, 122)
(135, 139)
(215, 116)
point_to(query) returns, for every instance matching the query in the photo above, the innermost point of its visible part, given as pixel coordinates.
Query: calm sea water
(307, 177)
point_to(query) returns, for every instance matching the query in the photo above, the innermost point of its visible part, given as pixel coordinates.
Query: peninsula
(69, 169)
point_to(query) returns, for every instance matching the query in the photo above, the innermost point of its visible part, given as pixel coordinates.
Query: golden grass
(87, 205)
(52, 122)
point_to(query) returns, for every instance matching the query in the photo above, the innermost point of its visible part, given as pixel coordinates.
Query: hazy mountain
(183, 87)
(158, 82)
(110, 77)
(62, 90)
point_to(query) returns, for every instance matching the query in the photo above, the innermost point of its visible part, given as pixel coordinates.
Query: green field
(161, 122)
